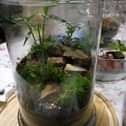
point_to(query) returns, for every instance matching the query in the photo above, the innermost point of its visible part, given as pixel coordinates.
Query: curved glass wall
(53, 47)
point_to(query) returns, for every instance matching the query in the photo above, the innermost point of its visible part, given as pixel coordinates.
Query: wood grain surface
(105, 113)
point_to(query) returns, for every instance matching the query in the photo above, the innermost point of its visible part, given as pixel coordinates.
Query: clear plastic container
(113, 41)
(110, 69)
(52, 45)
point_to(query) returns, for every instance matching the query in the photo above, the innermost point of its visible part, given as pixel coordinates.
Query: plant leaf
(27, 37)
(46, 9)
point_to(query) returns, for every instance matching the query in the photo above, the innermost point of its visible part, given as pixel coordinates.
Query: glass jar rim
(45, 2)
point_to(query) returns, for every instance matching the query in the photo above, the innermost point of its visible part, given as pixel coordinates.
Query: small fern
(74, 87)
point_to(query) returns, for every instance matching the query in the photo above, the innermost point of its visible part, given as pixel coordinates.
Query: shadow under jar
(52, 45)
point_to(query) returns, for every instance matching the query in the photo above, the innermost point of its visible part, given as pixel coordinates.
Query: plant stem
(45, 9)
(43, 29)
(39, 33)
(30, 29)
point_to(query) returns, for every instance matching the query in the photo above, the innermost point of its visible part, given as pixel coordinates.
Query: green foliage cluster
(70, 30)
(39, 74)
(75, 87)
(87, 43)
(40, 50)
(30, 72)
(119, 49)
(118, 55)
(37, 51)
(35, 69)
(37, 31)
(117, 45)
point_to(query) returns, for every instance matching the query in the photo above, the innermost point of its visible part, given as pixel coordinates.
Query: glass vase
(52, 45)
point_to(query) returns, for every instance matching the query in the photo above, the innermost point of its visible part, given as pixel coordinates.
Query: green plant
(31, 73)
(53, 73)
(87, 43)
(75, 87)
(117, 45)
(38, 27)
(70, 30)
(40, 51)
(39, 74)
(35, 69)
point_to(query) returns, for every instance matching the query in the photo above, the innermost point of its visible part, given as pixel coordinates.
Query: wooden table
(105, 112)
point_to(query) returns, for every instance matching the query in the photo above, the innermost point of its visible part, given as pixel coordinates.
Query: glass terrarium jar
(52, 45)
(112, 55)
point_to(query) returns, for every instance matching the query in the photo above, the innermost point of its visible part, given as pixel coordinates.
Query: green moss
(74, 87)
(40, 51)
(53, 73)
(30, 72)
(36, 51)
(39, 74)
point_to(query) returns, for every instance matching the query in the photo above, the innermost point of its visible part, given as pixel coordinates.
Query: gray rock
(73, 68)
(55, 51)
(76, 57)
(50, 88)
